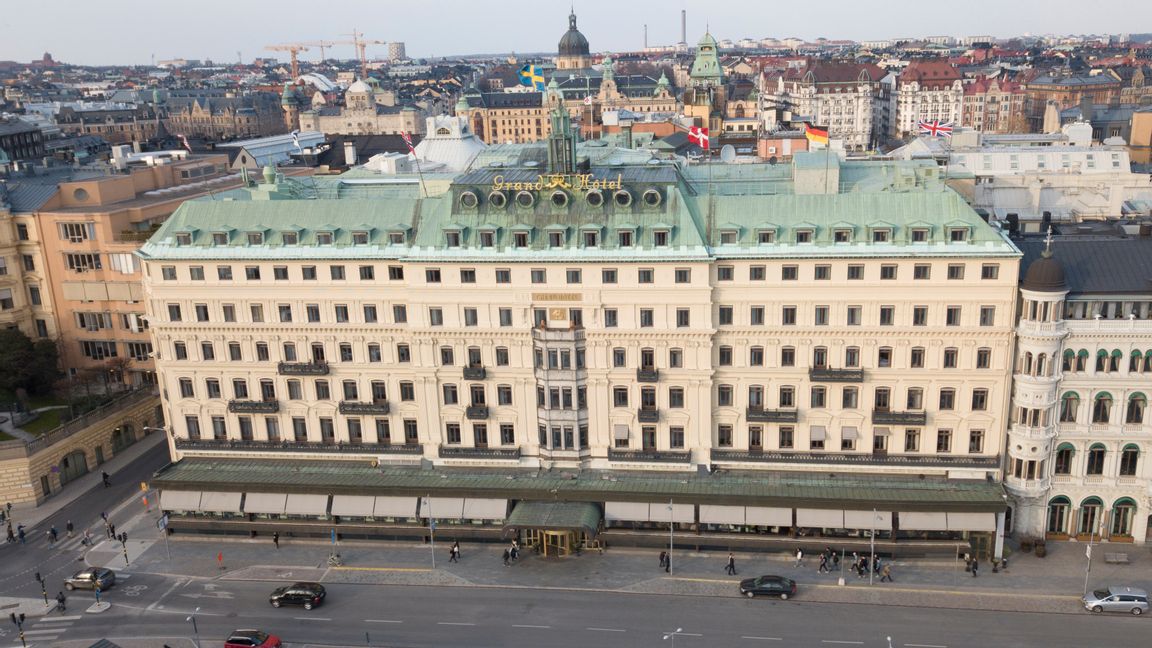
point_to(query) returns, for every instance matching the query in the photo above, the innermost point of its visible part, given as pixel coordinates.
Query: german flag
(816, 134)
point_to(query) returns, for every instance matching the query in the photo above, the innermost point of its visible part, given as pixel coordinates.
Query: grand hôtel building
(757, 354)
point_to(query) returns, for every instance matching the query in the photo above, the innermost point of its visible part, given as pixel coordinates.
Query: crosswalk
(48, 628)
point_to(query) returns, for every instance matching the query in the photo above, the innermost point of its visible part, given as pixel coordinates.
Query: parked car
(89, 578)
(251, 639)
(1117, 598)
(309, 595)
(768, 586)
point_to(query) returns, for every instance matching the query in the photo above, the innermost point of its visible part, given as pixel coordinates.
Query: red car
(252, 639)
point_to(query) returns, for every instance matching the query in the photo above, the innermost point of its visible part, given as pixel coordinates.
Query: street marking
(606, 629)
(312, 618)
(381, 621)
(55, 632)
(383, 569)
(924, 646)
(532, 626)
(833, 641)
(689, 634)
(60, 618)
(454, 623)
(765, 638)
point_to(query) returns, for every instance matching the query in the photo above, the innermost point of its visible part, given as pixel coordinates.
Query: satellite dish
(772, 160)
(727, 154)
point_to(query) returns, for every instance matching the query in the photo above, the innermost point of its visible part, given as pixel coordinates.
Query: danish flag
(404, 135)
(698, 136)
(935, 128)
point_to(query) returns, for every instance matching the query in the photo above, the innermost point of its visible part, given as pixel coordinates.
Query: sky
(103, 32)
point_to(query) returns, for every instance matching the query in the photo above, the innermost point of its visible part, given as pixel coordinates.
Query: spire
(1047, 244)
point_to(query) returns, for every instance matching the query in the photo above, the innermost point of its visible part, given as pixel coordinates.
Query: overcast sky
(133, 31)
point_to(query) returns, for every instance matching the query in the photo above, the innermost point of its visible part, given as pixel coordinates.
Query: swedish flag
(530, 75)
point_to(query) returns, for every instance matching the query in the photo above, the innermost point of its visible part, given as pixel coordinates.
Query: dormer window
(323, 238)
(520, 239)
(359, 238)
(487, 239)
(881, 235)
(842, 235)
(957, 235)
(555, 239)
(728, 237)
(591, 239)
(396, 238)
(290, 238)
(255, 238)
(624, 238)
(219, 238)
(660, 238)
(919, 235)
(764, 237)
(804, 236)
(452, 239)
(183, 238)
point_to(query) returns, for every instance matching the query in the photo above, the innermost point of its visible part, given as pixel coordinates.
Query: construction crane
(361, 46)
(291, 48)
(323, 45)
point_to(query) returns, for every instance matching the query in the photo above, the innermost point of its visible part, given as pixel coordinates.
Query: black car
(768, 586)
(309, 595)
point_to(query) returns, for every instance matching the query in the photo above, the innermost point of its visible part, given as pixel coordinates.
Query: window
(180, 350)
(646, 318)
(911, 440)
(787, 356)
(207, 351)
(1101, 408)
(842, 236)
(724, 356)
(234, 353)
(855, 272)
(819, 397)
(724, 436)
(675, 358)
(470, 317)
(400, 313)
(724, 315)
(660, 238)
(881, 235)
(619, 357)
(951, 356)
(503, 276)
(611, 318)
(451, 394)
(432, 275)
(407, 391)
(957, 235)
(922, 271)
(853, 313)
(608, 275)
(539, 275)
(168, 273)
(788, 316)
(224, 273)
(787, 437)
(787, 396)
(683, 275)
(645, 275)
(620, 397)
(983, 358)
(915, 399)
(341, 313)
(676, 397)
(186, 390)
(447, 356)
(308, 273)
(888, 271)
(850, 399)
(822, 273)
(943, 441)
(887, 315)
(1134, 413)
(979, 400)
(884, 357)
(756, 316)
(919, 316)
(804, 236)
(1096, 460)
(683, 318)
(1129, 458)
(789, 273)
(919, 235)
(990, 271)
(852, 357)
(947, 399)
(756, 356)
(196, 273)
(724, 396)
(820, 317)
(757, 273)
(765, 237)
(323, 238)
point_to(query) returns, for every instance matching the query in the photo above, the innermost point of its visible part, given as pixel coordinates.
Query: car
(768, 586)
(251, 639)
(1117, 598)
(309, 595)
(89, 578)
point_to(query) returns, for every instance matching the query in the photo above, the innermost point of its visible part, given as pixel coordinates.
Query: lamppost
(671, 529)
(431, 529)
(18, 621)
(1088, 551)
(672, 636)
(195, 630)
(872, 549)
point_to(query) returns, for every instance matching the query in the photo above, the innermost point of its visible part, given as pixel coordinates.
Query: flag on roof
(296, 139)
(698, 136)
(816, 134)
(184, 141)
(588, 100)
(935, 128)
(407, 137)
(533, 77)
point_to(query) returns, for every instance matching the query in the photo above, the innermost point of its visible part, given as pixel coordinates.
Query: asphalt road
(411, 617)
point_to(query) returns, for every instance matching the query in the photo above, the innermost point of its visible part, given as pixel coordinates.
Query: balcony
(476, 412)
(648, 415)
(899, 418)
(648, 375)
(233, 445)
(825, 374)
(856, 459)
(761, 415)
(356, 407)
(319, 368)
(253, 407)
(657, 456)
(475, 373)
(451, 452)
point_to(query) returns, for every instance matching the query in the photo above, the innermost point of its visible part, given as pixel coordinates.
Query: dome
(1045, 274)
(359, 86)
(573, 43)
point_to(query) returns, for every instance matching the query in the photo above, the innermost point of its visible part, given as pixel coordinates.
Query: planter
(1026, 545)
(1041, 549)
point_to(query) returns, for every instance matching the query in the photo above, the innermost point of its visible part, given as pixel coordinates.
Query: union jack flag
(698, 136)
(935, 128)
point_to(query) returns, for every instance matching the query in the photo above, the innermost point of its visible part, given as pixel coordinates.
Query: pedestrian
(799, 557)
(731, 567)
(69, 528)
(663, 558)
(823, 563)
(276, 539)
(104, 516)
(60, 601)
(51, 541)
(886, 573)
(87, 539)
(54, 533)
(668, 564)
(107, 480)
(507, 556)
(96, 590)
(967, 562)
(112, 531)
(515, 551)
(11, 535)
(20, 533)
(835, 559)
(454, 553)
(973, 568)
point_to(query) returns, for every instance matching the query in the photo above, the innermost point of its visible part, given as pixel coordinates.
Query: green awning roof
(556, 516)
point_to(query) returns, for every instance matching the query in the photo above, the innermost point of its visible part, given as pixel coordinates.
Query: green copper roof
(706, 66)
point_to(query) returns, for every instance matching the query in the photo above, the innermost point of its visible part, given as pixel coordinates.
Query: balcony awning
(353, 505)
(442, 508)
(306, 504)
(881, 431)
(971, 521)
(394, 506)
(717, 514)
(555, 516)
(820, 518)
(920, 521)
(620, 432)
(180, 500)
(818, 432)
(680, 513)
(867, 520)
(768, 516)
(220, 502)
(626, 511)
(485, 509)
(849, 433)
(265, 503)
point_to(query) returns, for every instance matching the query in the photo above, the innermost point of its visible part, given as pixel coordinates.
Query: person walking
(54, 533)
(21, 534)
(107, 480)
(799, 557)
(11, 534)
(731, 567)
(276, 539)
(886, 573)
(835, 560)
(48, 535)
(112, 531)
(507, 556)
(668, 564)
(823, 563)
(663, 558)
(973, 568)
(454, 553)
(60, 601)
(87, 539)
(69, 528)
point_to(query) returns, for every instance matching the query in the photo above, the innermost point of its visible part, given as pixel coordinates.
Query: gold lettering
(556, 297)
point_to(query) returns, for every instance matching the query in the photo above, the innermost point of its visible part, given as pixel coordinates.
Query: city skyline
(93, 34)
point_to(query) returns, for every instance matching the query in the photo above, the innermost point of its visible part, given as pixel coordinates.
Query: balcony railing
(475, 373)
(824, 374)
(647, 375)
(476, 412)
(319, 368)
(253, 407)
(356, 407)
(649, 415)
(659, 456)
(296, 446)
(899, 418)
(761, 415)
(854, 459)
(450, 452)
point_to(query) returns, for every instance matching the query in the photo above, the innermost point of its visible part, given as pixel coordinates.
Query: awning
(442, 508)
(881, 431)
(971, 521)
(396, 507)
(265, 502)
(620, 432)
(353, 505)
(867, 520)
(818, 432)
(485, 509)
(680, 513)
(768, 516)
(717, 514)
(220, 502)
(626, 511)
(848, 433)
(555, 516)
(306, 504)
(820, 518)
(180, 500)
(920, 521)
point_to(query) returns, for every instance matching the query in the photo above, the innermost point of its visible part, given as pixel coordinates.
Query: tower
(1040, 332)
(572, 53)
(290, 104)
(561, 143)
(706, 95)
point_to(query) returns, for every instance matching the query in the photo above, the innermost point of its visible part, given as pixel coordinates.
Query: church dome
(359, 86)
(1045, 274)
(573, 43)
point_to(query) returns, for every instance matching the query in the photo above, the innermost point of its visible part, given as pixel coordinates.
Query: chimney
(626, 133)
(684, 26)
(645, 36)
(350, 153)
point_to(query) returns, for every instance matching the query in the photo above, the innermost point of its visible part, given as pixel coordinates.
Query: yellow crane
(293, 49)
(323, 45)
(361, 46)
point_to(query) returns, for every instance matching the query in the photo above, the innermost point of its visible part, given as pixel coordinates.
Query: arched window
(1114, 361)
(1027, 368)
(1082, 360)
(1069, 360)
(1129, 458)
(1148, 360)
(1137, 403)
(1069, 406)
(1102, 407)
(1101, 361)
(1064, 459)
(1123, 510)
(1136, 362)
(1096, 459)
(1042, 365)
(1089, 522)
(1058, 515)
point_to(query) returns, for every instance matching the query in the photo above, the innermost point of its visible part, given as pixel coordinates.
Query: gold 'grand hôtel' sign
(573, 182)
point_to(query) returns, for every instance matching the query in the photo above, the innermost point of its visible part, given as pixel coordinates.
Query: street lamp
(671, 529)
(195, 630)
(872, 549)
(1088, 551)
(672, 636)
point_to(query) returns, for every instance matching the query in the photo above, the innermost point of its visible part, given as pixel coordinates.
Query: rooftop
(1097, 264)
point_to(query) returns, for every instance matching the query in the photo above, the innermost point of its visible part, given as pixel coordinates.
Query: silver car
(1117, 598)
